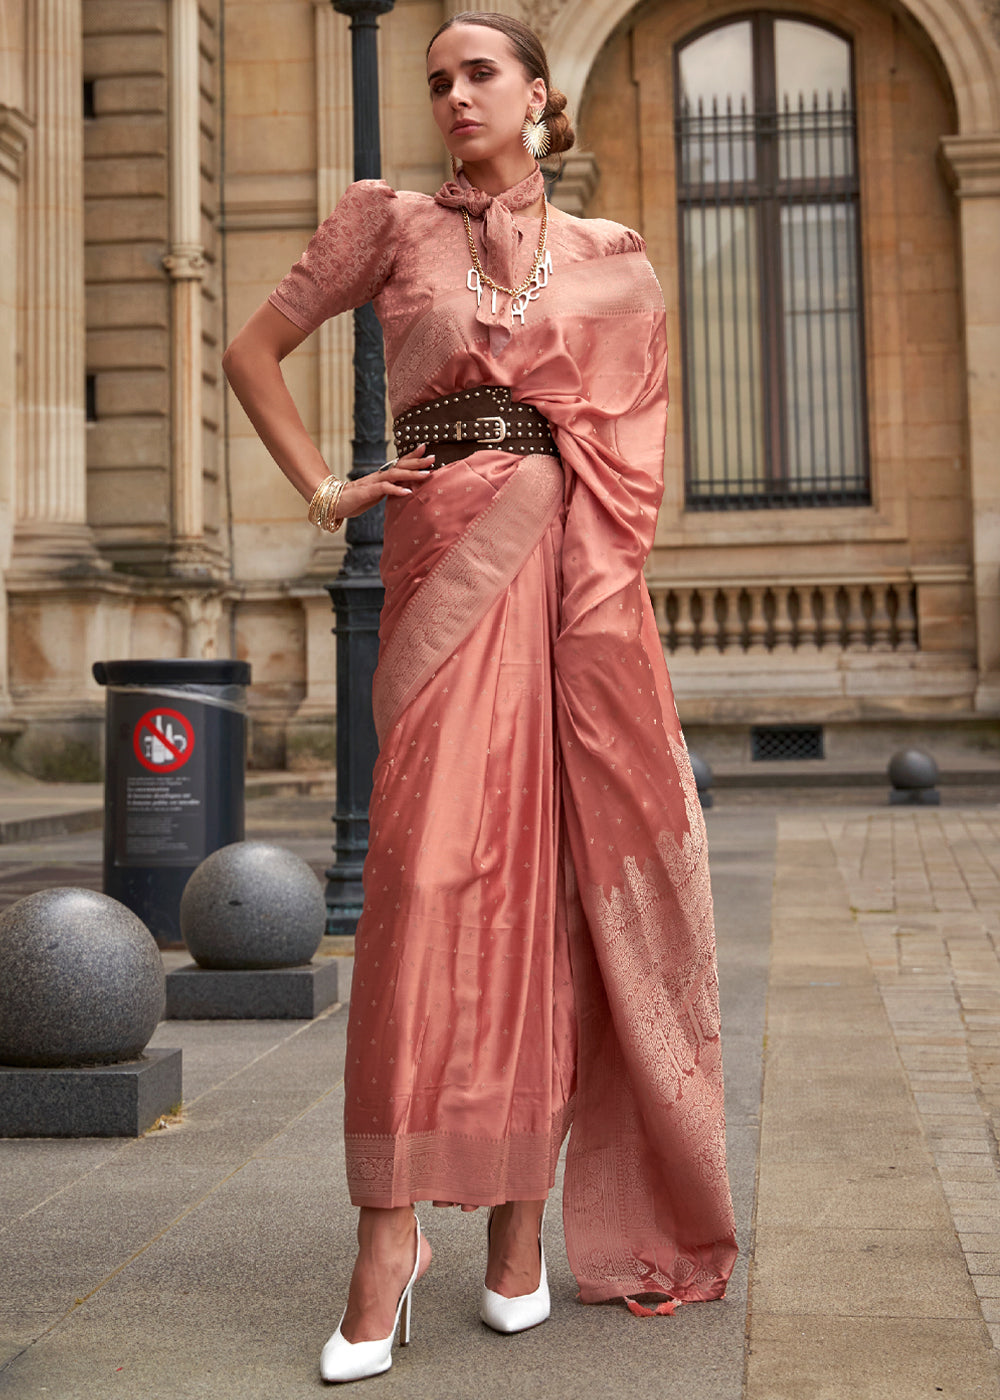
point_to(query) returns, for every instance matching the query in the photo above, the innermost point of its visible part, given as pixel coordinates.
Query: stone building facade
(819, 188)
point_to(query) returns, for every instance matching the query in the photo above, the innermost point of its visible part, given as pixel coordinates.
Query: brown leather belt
(460, 424)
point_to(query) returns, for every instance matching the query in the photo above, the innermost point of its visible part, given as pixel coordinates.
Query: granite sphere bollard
(253, 905)
(81, 981)
(912, 768)
(914, 775)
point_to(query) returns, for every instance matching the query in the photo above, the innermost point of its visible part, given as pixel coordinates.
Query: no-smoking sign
(163, 740)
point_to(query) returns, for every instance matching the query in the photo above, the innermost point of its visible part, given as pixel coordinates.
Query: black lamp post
(357, 591)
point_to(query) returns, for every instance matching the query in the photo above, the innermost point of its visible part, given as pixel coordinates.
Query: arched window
(774, 396)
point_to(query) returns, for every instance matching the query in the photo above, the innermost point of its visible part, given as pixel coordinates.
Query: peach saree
(536, 953)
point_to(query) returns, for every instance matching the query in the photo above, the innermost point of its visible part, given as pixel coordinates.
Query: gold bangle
(323, 506)
(329, 516)
(317, 499)
(328, 507)
(338, 521)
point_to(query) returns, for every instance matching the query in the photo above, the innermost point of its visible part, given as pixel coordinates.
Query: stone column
(974, 165)
(14, 134)
(15, 130)
(311, 733)
(185, 263)
(333, 175)
(51, 531)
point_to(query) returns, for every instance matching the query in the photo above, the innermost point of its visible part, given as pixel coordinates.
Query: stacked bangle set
(323, 506)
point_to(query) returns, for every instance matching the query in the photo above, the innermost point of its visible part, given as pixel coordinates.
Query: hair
(530, 53)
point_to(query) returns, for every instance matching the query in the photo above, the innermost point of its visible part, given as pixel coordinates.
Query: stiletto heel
(404, 1319)
(342, 1360)
(528, 1309)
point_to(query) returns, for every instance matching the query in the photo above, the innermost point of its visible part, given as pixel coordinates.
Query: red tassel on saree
(537, 946)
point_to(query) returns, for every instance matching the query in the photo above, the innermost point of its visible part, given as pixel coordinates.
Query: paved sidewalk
(932, 933)
(31, 810)
(293, 814)
(210, 1257)
(876, 1249)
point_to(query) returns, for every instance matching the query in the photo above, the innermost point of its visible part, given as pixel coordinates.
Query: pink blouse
(410, 257)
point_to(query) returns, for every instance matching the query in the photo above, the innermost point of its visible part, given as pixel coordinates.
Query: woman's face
(480, 93)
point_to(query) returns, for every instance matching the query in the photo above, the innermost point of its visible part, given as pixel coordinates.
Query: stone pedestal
(93, 1101)
(914, 797)
(271, 994)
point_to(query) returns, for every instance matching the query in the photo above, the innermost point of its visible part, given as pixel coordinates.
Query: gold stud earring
(535, 133)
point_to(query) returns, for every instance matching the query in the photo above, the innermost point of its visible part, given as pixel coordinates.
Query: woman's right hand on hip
(398, 478)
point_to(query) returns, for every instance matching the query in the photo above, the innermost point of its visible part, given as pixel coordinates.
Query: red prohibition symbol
(163, 740)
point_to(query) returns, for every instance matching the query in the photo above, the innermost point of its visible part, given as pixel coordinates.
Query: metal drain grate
(769, 741)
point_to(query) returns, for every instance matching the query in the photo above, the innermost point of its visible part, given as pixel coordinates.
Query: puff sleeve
(348, 260)
(630, 241)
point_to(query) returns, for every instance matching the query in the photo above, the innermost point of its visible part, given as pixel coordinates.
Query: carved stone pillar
(310, 734)
(974, 166)
(51, 532)
(201, 611)
(14, 133)
(333, 175)
(185, 264)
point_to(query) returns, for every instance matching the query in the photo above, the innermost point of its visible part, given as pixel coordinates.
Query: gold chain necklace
(484, 276)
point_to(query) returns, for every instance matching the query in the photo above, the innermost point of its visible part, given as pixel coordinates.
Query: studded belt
(460, 424)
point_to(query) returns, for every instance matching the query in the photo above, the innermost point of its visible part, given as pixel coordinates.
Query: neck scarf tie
(500, 241)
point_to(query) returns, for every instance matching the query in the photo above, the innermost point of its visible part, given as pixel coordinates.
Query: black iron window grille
(774, 392)
(785, 741)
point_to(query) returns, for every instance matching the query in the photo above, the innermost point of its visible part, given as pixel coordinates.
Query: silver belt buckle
(499, 434)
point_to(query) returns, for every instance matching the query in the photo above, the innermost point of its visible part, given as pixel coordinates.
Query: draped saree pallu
(537, 951)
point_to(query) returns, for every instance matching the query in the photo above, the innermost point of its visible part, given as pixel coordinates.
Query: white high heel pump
(342, 1360)
(526, 1310)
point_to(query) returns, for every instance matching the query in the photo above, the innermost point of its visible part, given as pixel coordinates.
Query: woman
(536, 948)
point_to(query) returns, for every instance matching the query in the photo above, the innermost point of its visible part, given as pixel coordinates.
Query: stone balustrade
(805, 615)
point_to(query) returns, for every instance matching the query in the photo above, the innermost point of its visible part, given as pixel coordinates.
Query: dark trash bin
(174, 778)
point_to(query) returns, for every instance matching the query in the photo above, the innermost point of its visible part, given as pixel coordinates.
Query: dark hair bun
(561, 133)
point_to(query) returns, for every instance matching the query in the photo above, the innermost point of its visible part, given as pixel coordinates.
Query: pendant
(474, 284)
(520, 304)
